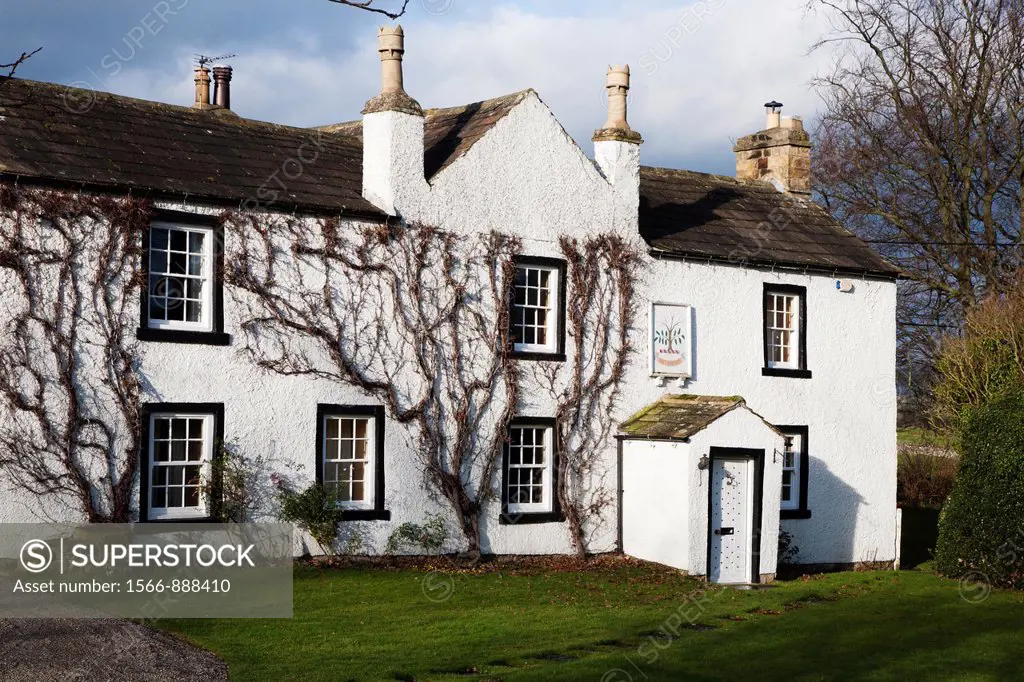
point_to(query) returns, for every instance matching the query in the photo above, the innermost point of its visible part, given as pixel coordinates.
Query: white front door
(730, 521)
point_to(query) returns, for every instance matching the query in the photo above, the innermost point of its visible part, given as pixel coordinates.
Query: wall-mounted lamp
(704, 463)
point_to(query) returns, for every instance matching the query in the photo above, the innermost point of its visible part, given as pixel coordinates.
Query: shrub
(982, 524)
(983, 363)
(924, 477)
(314, 510)
(429, 538)
(238, 485)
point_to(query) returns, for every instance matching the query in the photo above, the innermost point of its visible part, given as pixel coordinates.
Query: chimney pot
(202, 80)
(222, 86)
(391, 46)
(617, 125)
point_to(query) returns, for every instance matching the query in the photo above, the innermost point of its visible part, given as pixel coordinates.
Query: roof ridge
(207, 115)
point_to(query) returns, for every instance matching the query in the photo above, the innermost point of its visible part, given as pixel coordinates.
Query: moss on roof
(678, 416)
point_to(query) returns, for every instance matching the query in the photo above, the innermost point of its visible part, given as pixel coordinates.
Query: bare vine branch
(412, 315)
(69, 363)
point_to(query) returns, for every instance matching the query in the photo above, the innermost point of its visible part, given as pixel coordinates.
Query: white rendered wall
(656, 497)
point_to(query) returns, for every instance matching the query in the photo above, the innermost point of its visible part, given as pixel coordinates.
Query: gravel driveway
(100, 651)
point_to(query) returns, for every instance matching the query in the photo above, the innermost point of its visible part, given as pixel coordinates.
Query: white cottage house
(761, 396)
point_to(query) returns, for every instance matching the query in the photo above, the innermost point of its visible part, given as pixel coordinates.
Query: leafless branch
(368, 6)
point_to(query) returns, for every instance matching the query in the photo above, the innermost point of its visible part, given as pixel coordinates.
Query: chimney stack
(617, 146)
(394, 179)
(202, 88)
(222, 86)
(781, 153)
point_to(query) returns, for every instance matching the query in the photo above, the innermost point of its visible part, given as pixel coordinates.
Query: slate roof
(678, 416)
(80, 137)
(53, 133)
(449, 133)
(716, 217)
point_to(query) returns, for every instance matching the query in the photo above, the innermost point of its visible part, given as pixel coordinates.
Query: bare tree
(414, 316)
(370, 6)
(69, 278)
(921, 148)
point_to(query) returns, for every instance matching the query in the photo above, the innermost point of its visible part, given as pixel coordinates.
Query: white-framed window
(181, 279)
(535, 314)
(180, 456)
(349, 453)
(782, 318)
(530, 467)
(791, 464)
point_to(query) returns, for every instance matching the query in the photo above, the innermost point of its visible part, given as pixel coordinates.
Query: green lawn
(610, 622)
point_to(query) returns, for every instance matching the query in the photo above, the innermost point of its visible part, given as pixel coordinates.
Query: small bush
(982, 524)
(924, 478)
(238, 485)
(314, 510)
(428, 538)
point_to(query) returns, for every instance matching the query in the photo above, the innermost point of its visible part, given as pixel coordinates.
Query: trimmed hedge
(982, 523)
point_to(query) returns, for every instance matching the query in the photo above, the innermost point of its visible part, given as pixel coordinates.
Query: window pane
(192, 496)
(196, 241)
(361, 427)
(158, 262)
(159, 476)
(178, 451)
(357, 492)
(161, 451)
(331, 472)
(159, 497)
(332, 428)
(346, 449)
(346, 428)
(158, 238)
(174, 497)
(178, 240)
(192, 475)
(178, 428)
(195, 450)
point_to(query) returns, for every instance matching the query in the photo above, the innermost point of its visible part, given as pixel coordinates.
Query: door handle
(725, 531)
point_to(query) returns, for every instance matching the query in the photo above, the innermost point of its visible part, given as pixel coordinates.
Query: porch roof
(679, 416)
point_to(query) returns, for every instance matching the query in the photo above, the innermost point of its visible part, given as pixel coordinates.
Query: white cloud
(701, 71)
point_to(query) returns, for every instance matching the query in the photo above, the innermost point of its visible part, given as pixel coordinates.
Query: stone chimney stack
(616, 145)
(394, 179)
(780, 154)
(222, 86)
(202, 88)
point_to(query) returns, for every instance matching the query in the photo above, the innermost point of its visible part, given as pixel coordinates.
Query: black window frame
(802, 511)
(146, 412)
(800, 292)
(560, 265)
(555, 515)
(323, 410)
(214, 337)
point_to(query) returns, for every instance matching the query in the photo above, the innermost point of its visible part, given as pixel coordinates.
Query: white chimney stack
(393, 173)
(617, 146)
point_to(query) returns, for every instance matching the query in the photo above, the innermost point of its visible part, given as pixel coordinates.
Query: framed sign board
(670, 343)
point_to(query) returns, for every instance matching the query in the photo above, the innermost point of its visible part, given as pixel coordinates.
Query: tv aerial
(202, 60)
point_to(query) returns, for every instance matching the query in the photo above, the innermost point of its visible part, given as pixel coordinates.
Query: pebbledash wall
(527, 177)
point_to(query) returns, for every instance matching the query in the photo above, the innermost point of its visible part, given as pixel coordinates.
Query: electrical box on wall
(844, 285)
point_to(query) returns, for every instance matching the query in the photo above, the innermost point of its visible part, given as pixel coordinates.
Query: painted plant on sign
(670, 337)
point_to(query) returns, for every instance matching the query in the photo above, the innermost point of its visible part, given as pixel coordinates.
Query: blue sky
(701, 69)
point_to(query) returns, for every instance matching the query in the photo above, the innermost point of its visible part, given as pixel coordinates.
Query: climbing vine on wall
(69, 383)
(414, 316)
(602, 273)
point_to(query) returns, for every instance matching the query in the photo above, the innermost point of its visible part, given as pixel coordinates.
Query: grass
(915, 435)
(617, 620)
